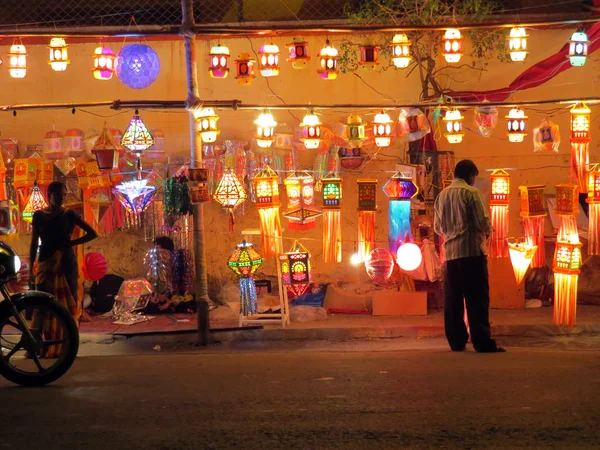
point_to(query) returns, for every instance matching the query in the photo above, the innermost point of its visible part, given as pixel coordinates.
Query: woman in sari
(56, 269)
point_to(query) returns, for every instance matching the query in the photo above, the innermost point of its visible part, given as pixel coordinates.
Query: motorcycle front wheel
(53, 349)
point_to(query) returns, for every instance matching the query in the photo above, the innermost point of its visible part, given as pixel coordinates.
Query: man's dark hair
(465, 169)
(165, 242)
(56, 187)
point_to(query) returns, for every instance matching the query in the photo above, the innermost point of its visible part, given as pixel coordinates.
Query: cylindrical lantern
(499, 201)
(244, 66)
(295, 269)
(578, 48)
(300, 189)
(368, 57)
(382, 129)
(266, 191)
(401, 54)
(517, 44)
(104, 63)
(328, 58)
(355, 131)
(454, 126)
(59, 58)
(367, 210)
(218, 58)
(17, 60)
(268, 60)
(311, 131)
(580, 142)
(265, 129)
(580, 123)
(244, 262)
(516, 122)
(400, 189)
(298, 54)
(332, 224)
(207, 124)
(533, 212)
(594, 213)
(453, 41)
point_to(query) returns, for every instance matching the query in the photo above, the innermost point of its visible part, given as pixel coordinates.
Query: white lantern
(517, 44)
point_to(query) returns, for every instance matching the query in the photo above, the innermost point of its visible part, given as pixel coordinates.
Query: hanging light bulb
(578, 48)
(104, 63)
(517, 44)
(516, 121)
(207, 123)
(17, 60)
(311, 131)
(382, 129)
(265, 128)
(452, 45)
(454, 126)
(328, 57)
(401, 56)
(218, 57)
(59, 57)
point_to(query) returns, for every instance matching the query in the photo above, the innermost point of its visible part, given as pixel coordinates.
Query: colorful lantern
(53, 145)
(533, 213)
(295, 269)
(100, 204)
(311, 131)
(268, 60)
(382, 129)
(516, 121)
(546, 138)
(499, 201)
(517, 44)
(354, 131)
(244, 262)
(412, 124)
(332, 223)
(230, 193)
(401, 54)
(218, 57)
(17, 60)
(73, 142)
(265, 129)
(400, 189)
(368, 57)
(379, 265)
(104, 63)
(35, 202)
(452, 42)
(106, 150)
(454, 126)
(578, 48)
(207, 124)
(244, 66)
(580, 143)
(94, 266)
(485, 120)
(367, 210)
(593, 199)
(409, 256)
(298, 54)
(300, 189)
(521, 253)
(137, 66)
(135, 196)
(59, 57)
(266, 190)
(328, 58)
(137, 137)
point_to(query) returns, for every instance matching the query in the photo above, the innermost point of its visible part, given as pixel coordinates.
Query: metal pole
(201, 286)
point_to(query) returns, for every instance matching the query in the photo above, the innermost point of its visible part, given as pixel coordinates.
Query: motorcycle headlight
(17, 264)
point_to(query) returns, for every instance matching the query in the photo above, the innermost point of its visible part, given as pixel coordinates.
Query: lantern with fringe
(367, 210)
(580, 143)
(517, 44)
(485, 120)
(298, 54)
(332, 223)
(244, 66)
(311, 131)
(516, 121)
(401, 54)
(521, 253)
(268, 60)
(35, 202)
(499, 201)
(244, 261)
(382, 129)
(594, 214)
(413, 124)
(230, 193)
(533, 212)
(578, 48)
(546, 138)
(266, 190)
(295, 269)
(400, 189)
(300, 189)
(328, 58)
(218, 57)
(452, 50)
(135, 196)
(454, 126)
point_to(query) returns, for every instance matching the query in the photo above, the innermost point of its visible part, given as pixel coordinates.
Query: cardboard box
(395, 303)
(504, 292)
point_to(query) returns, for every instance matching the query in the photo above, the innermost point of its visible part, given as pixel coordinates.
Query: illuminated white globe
(355, 259)
(409, 256)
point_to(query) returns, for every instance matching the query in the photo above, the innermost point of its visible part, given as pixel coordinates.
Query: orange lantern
(244, 66)
(59, 58)
(328, 58)
(368, 57)
(266, 190)
(454, 126)
(298, 54)
(594, 213)
(499, 201)
(533, 213)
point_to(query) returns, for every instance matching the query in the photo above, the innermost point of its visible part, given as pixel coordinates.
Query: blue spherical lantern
(137, 66)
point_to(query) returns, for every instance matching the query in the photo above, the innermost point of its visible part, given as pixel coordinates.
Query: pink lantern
(379, 265)
(94, 266)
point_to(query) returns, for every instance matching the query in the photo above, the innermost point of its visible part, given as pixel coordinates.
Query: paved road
(296, 398)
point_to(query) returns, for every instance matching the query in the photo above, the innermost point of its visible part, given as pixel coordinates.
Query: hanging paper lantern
(137, 66)
(266, 189)
(367, 210)
(35, 202)
(300, 189)
(244, 262)
(454, 126)
(409, 256)
(521, 253)
(328, 58)
(230, 193)
(517, 44)
(401, 54)
(17, 60)
(452, 50)
(265, 128)
(311, 131)
(485, 120)
(354, 131)
(106, 150)
(546, 137)
(137, 137)
(104, 63)
(382, 129)
(332, 225)
(135, 196)
(533, 213)
(207, 124)
(244, 66)
(578, 48)
(59, 57)
(73, 142)
(218, 57)
(580, 142)
(499, 202)
(53, 145)
(100, 204)
(379, 265)
(368, 57)
(400, 189)
(298, 54)
(412, 124)
(94, 266)
(580, 123)
(295, 269)
(516, 122)
(268, 60)
(593, 199)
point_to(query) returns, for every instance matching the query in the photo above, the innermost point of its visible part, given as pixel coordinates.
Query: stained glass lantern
(244, 66)
(382, 129)
(452, 42)
(138, 66)
(230, 193)
(328, 59)
(332, 191)
(268, 60)
(516, 122)
(532, 200)
(567, 200)
(367, 194)
(137, 137)
(517, 44)
(354, 131)
(59, 57)
(106, 150)
(265, 129)
(400, 187)
(500, 192)
(578, 48)
(567, 258)
(300, 189)
(104, 63)
(368, 57)
(311, 131)
(218, 58)
(266, 188)
(244, 262)
(401, 54)
(454, 126)
(295, 269)
(298, 54)
(207, 124)
(35, 202)
(580, 123)
(17, 60)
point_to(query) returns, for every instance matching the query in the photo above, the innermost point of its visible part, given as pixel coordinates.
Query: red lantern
(94, 266)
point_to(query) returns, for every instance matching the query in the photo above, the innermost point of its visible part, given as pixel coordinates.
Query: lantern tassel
(332, 236)
(534, 235)
(498, 243)
(579, 165)
(366, 233)
(248, 297)
(231, 221)
(594, 230)
(270, 229)
(565, 285)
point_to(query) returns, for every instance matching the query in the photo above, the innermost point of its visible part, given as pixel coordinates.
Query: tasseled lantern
(400, 189)
(401, 54)
(17, 60)
(244, 66)
(218, 58)
(245, 261)
(578, 48)
(382, 129)
(311, 131)
(298, 54)
(295, 269)
(521, 253)
(516, 121)
(367, 210)
(135, 196)
(266, 191)
(35, 202)
(546, 138)
(268, 60)
(230, 193)
(59, 58)
(332, 222)
(454, 126)
(452, 42)
(368, 57)
(302, 214)
(104, 63)
(517, 44)
(207, 124)
(533, 212)
(499, 201)
(265, 129)
(581, 117)
(328, 59)
(593, 199)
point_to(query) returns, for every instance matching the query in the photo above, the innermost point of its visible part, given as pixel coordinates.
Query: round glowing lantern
(454, 126)
(328, 58)
(94, 266)
(578, 48)
(382, 129)
(400, 46)
(368, 57)
(517, 44)
(269, 60)
(580, 123)
(311, 131)
(59, 57)
(104, 63)
(207, 124)
(244, 66)
(379, 265)
(516, 121)
(137, 66)
(265, 129)
(452, 45)
(218, 57)
(298, 54)
(17, 61)
(409, 256)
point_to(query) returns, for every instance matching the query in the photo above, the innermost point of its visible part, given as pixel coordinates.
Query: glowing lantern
(412, 124)
(580, 142)
(328, 58)
(452, 50)
(137, 66)
(207, 124)
(311, 131)
(533, 213)
(35, 202)
(298, 54)
(594, 214)
(567, 199)
(400, 189)
(94, 266)
(265, 128)
(137, 137)
(379, 265)
(454, 126)
(382, 129)
(517, 44)
(499, 201)
(521, 253)
(300, 189)
(368, 57)
(485, 119)
(59, 58)
(500, 187)
(269, 60)
(401, 56)
(295, 269)
(516, 121)
(580, 123)
(332, 224)
(409, 256)
(104, 63)
(135, 196)
(356, 259)
(17, 60)
(244, 65)
(367, 210)
(578, 48)
(546, 137)
(218, 57)
(355, 131)
(53, 144)
(230, 193)
(244, 262)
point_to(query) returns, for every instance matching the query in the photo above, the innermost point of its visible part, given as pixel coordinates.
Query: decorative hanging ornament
(104, 63)
(516, 122)
(300, 189)
(35, 202)
(578, 48)
(230, 193)
(298, 54)
(533, 212)
(244, 66)
(367, 210)
(593, 200)
(485, 120)
(499, 201)
(100, 204)
(354, 131)
(138, 66)
(580, 123)
(382, 129)
(266, 190)
(409, 256)
(106, 150)
(580, 145)
(521, 253)
(135, 196)
(137, 137)
(400, 189)
(517, 44)
(412, 124)
(452, 45)
(59, 57)
(332, 223)
(379, 265)
(207, 124)
(17, 60)
(311, 131)
(268, 60)
(218, 58)
(328, 58)
(368, 56)
(295, 269)
(401, 54)
(454, 126)
(265, 129)
(546, 138)
(244, 262)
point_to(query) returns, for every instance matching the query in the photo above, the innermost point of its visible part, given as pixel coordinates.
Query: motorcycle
(39, 338)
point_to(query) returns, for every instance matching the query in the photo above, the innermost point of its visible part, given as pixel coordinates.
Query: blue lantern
(137, 66)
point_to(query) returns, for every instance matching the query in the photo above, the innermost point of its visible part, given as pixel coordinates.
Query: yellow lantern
(500, 187)
(207, 124)
(355, 131)
(17, 60)
(104, 63)
(269, 60)
(311, 131)
(265, 128)
(245, 69)
(401, 56)
(382, 129)
(580, 123)
(517, 44)
(35, 202)
(516, 121)
(452, 45)
(454, 126)
(521, 253)
(328, 57)
(218, 57)
(59, 57)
